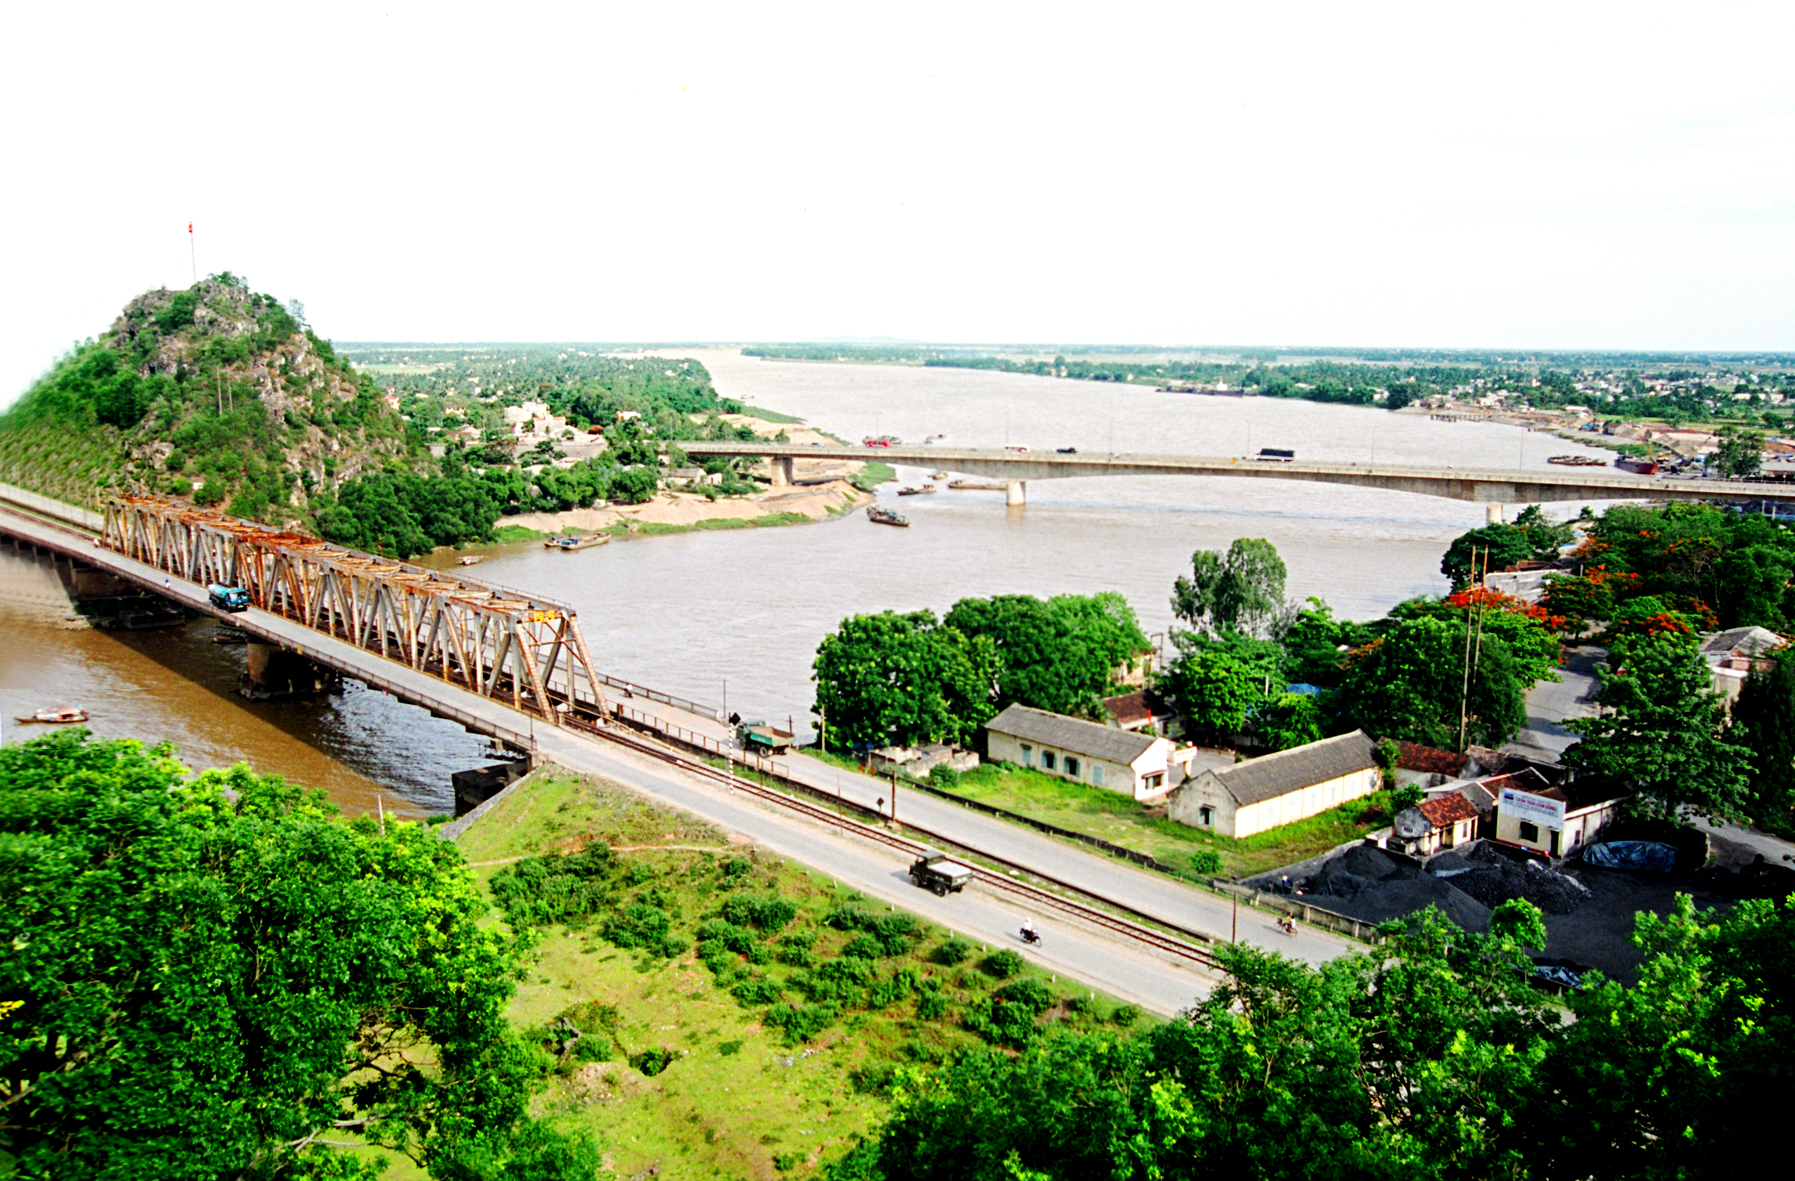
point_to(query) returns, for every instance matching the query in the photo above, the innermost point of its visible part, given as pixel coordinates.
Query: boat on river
(925, 490)
(60, 716)
(939, 476)
(569, 544)
(976, 486)
(1577, 461)
(471, 559)
(884, 516)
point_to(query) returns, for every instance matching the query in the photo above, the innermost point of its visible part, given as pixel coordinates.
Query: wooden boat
(884, 516)
(569, 544)
(1576, 461)
(925, 490)
(976, 486)
(61, 715)
(472, 559)
(939, 476)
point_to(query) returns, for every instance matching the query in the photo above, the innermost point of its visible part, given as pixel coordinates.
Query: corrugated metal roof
(1273, 775)
(1091, 739)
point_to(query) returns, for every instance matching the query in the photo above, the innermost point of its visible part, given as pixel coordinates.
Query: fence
(702, 743)
(631, 689)
(1307, 911)
(1146, 860)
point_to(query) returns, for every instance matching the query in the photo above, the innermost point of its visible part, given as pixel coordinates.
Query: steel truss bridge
(518, 649)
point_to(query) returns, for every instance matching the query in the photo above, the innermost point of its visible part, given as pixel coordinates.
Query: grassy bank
(872, 474)
(766, 415)
(1118, 819)
(510, 534)
(741, 1016)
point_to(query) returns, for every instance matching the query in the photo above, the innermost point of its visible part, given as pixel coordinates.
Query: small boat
(1576, 461)
(976, 486)
(939, 476)
(61, 715)
(884, 516)
(569, 544)
(925, 490)
(471, 560)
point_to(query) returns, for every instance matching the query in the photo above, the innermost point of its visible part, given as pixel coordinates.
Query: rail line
(1024, 891)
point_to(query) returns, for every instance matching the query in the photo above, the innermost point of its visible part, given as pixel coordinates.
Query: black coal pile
(1492, 878)
(1367, 883)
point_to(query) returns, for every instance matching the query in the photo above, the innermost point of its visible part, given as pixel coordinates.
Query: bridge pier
(272, 671)
(1493, 513)
(1016, 492)
(781, 466)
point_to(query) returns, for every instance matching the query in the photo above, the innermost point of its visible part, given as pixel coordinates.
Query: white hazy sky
(1514, 175)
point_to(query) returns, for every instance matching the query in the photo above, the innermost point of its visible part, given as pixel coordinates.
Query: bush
(800, 1023)
(756, 990)
(640, 924)
(1031, 995)
(1003, 964)
(766, 912)
(1206, 862)
(1125, 1015)
(944, 777)
(651, 1062)
(952, 951)
(798, 949)
(931, 1005)
(864, 946)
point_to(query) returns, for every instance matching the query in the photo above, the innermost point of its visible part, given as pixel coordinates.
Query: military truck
(934, 871)
(759, 737)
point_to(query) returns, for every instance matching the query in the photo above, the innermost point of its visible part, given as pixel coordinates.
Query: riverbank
(677, 512)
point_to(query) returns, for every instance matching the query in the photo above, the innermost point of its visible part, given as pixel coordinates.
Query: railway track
(1025, 892)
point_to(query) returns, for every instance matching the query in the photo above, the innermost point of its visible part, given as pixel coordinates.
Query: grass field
(741, 1097)
(1118, 819)
(766, 415)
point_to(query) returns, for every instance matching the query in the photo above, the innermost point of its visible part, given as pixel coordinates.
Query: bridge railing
(632, 689)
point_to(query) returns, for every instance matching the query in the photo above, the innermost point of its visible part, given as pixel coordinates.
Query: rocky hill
(214, 394)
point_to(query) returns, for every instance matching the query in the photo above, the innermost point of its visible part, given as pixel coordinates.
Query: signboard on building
(1524, 805)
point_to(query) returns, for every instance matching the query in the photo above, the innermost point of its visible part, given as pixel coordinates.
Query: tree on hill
(1663, 732)
(214, 977)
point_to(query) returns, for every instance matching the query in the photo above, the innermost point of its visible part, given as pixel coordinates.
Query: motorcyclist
(1029, 934)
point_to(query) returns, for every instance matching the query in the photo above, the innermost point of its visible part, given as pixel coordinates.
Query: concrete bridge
(1490, 486)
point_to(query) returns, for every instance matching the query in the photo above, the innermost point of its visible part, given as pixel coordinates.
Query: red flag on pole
(189, 227)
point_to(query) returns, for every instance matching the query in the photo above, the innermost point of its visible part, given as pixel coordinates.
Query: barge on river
(884, 516)
(569, 544)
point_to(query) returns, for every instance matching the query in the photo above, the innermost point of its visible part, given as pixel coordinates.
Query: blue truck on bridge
(230, 598)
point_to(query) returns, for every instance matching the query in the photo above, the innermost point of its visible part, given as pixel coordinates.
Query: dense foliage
(1426, 1057)
(907, 678)
(214, 977)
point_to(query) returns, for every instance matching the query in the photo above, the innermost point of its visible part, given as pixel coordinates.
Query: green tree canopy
(891, 678)
(1409, 684)
(1663, 732)
(1764, 720)
(217, 978)
(1498, 545)
(1062, 654)
(1241, 590)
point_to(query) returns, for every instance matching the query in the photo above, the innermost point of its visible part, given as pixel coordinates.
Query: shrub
(1032, 995)
(944, 777)
(798, 949)
(593, 1047)
(1125, 1015)
(952, 951)
(766, 912)
(756, 990)
(931, 1005)
(1206, 862)
(737, 939)
(800, 1023)
(652, 1061)
(889, 992)
(1002, 964)
(864, 946)
(640, 924)
(735, 869)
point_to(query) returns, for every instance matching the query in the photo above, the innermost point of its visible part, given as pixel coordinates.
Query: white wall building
(1278, 788)
(1140, 765)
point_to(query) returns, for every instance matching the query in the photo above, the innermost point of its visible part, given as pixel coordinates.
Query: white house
(1556, 821)
(1734, 655)
(1278, 788)
(1139, 765)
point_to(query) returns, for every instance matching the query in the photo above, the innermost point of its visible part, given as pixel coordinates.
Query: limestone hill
(214, 394)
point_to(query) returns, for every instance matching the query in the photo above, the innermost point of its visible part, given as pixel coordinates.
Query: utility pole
(1464, 697)
(192, 255)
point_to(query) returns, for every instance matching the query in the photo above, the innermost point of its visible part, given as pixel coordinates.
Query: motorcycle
(1030, 935)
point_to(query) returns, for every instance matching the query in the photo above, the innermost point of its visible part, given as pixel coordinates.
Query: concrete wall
(1110, 776)
(1233, 820)
(1580, 828)
(1458, 833)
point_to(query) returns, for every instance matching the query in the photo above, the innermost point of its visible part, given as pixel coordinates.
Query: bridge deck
(1484, 485)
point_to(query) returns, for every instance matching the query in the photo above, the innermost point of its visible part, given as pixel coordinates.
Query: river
(735, 616)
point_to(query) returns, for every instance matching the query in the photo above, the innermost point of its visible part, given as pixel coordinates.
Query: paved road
(1107, 877)
(1551, 703)
(1107, 962)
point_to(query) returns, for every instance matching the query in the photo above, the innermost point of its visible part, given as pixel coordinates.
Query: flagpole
(192, 256)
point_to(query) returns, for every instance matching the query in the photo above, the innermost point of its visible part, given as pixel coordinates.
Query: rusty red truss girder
(498, 643)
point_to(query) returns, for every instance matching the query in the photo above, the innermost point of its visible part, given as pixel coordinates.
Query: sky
(1508, 175)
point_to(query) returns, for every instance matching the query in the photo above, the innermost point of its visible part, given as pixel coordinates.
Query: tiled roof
(1129, 709)
(1273, 775)
(1741, 641)
(1447, 809)
(1415, 757)
(1092, 739)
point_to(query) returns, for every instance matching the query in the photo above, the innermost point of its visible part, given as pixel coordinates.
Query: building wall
(1111, 776)
(1205, 791)
(1305, 802)
(1460, 832)
(1580, 828)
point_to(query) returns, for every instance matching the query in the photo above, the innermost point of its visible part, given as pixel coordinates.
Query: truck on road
(934, 871)
(761, 738)
(230, 598)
